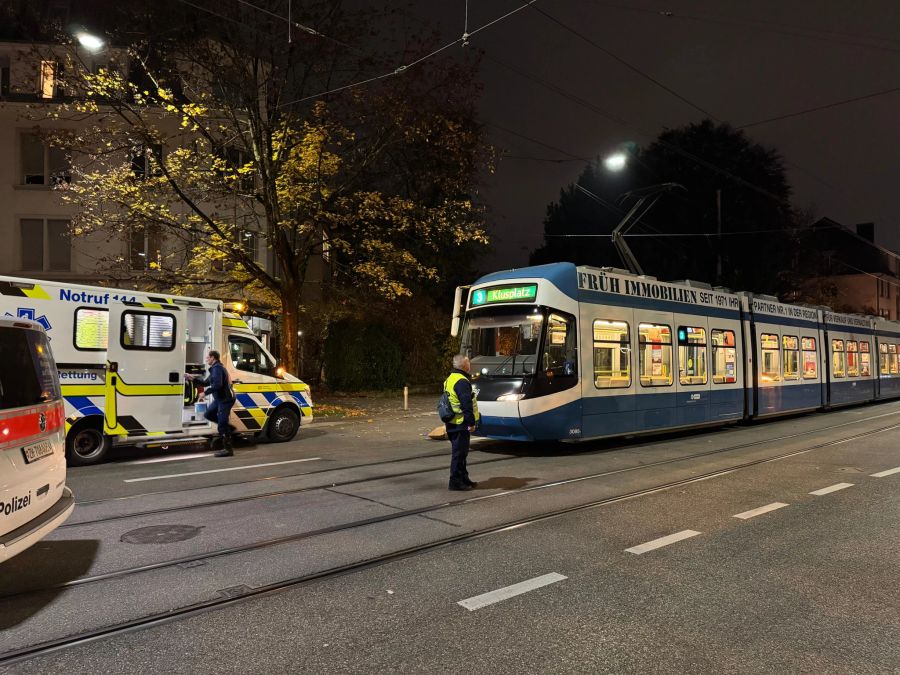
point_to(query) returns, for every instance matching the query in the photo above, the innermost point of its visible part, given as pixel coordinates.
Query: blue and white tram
(561, 352)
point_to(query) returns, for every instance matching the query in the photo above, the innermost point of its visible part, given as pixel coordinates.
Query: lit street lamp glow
(616, 162)
(90, 42)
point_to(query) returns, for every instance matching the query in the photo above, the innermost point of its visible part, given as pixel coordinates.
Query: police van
(34, 499)
(122, 356)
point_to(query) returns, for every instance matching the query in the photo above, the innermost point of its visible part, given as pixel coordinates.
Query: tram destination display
(497, 294)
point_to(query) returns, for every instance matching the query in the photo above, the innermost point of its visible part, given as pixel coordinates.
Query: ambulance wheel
(86, 444)
(282, 425)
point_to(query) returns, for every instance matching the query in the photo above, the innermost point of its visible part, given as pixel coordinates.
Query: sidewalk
(360, 415)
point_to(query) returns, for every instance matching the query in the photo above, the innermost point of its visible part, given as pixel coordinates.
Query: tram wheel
(282, 425)
(86, 444)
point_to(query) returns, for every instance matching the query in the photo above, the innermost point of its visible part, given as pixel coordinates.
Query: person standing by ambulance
(218, 410)
(459, 430)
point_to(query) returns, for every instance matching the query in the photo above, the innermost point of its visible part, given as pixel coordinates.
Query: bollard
(406, 398)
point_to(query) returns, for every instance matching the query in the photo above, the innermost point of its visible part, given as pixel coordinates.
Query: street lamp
(616, 162)
(93, 43)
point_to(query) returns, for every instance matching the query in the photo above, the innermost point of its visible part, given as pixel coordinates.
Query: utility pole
(719, 236)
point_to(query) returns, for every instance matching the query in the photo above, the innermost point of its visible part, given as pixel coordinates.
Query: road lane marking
(662, 541)
(508, 592)
(231, 468)
(168, 458)
(831, 488)
(889, 472)
(761, 510)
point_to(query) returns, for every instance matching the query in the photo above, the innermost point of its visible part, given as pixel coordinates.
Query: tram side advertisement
(655, 290)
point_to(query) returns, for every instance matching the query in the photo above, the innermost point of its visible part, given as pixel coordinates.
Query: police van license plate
(37, 451)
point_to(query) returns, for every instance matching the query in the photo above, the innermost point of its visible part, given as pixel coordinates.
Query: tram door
(655, 395)
(692, 382)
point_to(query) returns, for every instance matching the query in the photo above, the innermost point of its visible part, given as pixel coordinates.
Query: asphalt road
(720, 559)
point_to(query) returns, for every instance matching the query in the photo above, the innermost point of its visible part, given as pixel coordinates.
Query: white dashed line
(831, 488)
(231, 468)
(761, 510)
(508, 592)
(889, 472)
(662, 541)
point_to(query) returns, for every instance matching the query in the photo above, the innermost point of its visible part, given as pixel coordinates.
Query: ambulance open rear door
(145, 379)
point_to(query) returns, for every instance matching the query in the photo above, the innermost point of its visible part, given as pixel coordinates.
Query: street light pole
(719, 236)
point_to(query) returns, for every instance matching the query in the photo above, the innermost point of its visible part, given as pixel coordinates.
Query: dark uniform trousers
(459, 444)
(218, 412)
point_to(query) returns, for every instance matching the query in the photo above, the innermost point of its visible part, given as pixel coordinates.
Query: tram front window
(503, 344)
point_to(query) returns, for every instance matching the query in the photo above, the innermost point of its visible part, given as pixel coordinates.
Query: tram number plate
(37, 451)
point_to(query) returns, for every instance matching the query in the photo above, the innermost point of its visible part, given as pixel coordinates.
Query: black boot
(227, 450)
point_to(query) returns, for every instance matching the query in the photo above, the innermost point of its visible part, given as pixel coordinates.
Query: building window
(4, 76)
(49, 72)
(612, 355)
(145, 161)
(655, 345)
(144, 248)
(45, 245)
(326, 248)
(42, 163)
(250, 244)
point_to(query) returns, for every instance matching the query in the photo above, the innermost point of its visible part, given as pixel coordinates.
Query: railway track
(25, 653)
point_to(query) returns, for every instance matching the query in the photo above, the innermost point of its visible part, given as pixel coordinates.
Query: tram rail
(358, 481)
(201, 607)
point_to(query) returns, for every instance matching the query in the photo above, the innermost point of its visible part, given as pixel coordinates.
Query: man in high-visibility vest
(463, 402)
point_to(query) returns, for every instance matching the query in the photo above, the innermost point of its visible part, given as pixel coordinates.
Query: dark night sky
(742, 62)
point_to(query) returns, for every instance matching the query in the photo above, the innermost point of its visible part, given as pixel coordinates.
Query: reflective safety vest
(449, 385)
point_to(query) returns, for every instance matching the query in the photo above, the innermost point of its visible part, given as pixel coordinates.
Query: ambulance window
(247, 355)
(148, 331)
(91, 329)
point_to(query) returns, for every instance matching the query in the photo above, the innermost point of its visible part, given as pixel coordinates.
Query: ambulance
(34, 499)
(122, 357)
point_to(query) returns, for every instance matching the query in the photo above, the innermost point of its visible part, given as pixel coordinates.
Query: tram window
(837, 358)
(612, 354)
(865, 360)
(655, 342)
(810, 360)
(852, 347)
(691, 355)
(724, 357)
(883, 363)
(892, 358)
(559, 351)
(791, 346)
(770, 370)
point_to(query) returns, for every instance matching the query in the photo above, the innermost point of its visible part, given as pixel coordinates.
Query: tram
(561, 352)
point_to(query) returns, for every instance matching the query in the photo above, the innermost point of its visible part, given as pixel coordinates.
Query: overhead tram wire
(764, 26)
(825, 106)
(463, 39)
(622, 61)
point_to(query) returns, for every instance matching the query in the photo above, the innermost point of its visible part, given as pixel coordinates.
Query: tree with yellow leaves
(219, 131)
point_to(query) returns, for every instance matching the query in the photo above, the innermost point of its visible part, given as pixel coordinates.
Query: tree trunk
(290, 341)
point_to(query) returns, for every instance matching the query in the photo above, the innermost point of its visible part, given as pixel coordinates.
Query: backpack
(444, 409)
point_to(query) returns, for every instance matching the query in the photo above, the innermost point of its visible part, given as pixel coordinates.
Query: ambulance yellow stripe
(36, 293)
(235, 323)
(83, 389)
(275, 386)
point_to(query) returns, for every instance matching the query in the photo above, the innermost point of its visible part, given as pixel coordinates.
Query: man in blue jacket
(218, 384)
(464, 403)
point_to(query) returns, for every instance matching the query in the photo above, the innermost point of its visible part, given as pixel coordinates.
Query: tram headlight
(511, 397)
